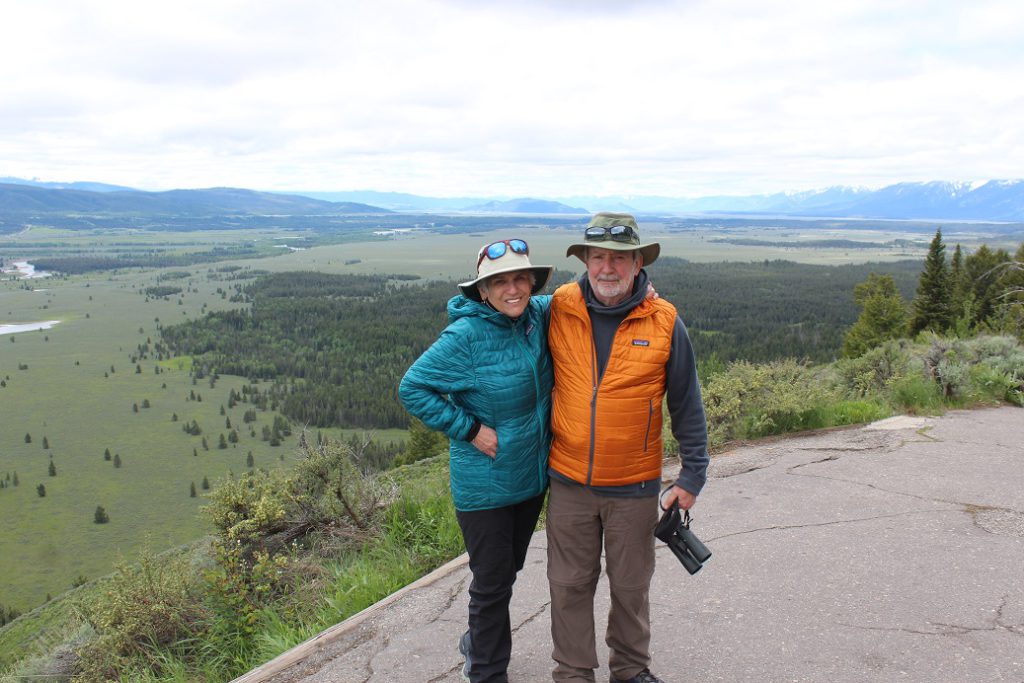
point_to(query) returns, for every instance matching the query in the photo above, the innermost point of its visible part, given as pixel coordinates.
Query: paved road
(893, 552)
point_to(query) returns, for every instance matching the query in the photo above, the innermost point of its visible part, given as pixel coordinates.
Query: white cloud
(538, 98)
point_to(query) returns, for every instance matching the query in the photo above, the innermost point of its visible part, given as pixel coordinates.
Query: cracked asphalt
(892, 552)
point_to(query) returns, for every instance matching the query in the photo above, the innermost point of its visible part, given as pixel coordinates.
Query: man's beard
(610, 289)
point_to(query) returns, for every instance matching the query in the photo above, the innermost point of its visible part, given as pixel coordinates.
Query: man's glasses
(617, 233)
(499, 249)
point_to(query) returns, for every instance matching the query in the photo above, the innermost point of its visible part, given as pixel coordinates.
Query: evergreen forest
(336, 346)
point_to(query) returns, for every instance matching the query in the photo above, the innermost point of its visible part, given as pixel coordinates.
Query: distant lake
(14, 328)
(27, 270)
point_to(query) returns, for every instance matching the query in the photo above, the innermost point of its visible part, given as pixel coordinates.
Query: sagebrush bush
(147, 607)
(748, 400)
(872, 372)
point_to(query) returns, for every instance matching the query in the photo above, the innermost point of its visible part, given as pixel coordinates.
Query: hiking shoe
(644, 676)
(464, 651)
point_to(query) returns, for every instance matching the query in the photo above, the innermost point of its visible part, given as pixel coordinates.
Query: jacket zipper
(650, 418)
(596, 383)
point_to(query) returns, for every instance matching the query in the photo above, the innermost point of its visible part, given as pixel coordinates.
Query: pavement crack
(790, 470)
(445, 675)
(743, 470)
(785, 527)
(947, 630)
(456, 592)
(536, 614)
(841, 449)
(1016, 629)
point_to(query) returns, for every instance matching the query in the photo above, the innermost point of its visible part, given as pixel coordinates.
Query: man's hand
(677, 494)
(486, 441)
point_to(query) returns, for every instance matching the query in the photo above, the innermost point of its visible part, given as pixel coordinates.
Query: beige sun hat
(516, 256)
(601, 232)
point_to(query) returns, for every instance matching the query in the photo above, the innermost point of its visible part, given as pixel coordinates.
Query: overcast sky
(512, 97)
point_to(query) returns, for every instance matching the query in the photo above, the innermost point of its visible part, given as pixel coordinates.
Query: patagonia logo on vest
(529, 329)
(641, 342)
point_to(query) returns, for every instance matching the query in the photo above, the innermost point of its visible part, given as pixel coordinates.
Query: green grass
(63, 395)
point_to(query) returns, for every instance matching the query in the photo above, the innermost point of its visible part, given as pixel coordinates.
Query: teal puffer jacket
(487, 367)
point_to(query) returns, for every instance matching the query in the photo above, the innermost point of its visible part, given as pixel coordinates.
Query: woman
(486, 383)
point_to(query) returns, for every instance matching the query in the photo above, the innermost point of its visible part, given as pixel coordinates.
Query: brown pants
(579, 522)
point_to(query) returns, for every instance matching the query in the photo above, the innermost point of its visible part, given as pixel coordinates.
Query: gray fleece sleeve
(686, 409)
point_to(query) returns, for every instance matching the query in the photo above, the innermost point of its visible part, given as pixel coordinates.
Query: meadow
(76, 385)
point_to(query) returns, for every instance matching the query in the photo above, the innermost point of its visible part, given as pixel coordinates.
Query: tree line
(76, 265)
(335, 346)
(767, 310)
(980, 292)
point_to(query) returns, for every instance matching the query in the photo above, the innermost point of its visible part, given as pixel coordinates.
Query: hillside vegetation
(336, 346)
(296, 550)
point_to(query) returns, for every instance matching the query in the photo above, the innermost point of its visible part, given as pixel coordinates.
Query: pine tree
(883, 315)
(41, 490)
(206, 484)
(52, 469)
(983, 269)
(106, 454)
(932, 304)
(958, 280)
(192, 490)
(100, 516)
(250, 462)
(117, 460)
(28, 438)
(223, 442)
(46, 442)
(423, 443)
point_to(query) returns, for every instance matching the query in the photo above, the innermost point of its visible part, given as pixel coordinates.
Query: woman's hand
(486, 441)
(651, 294)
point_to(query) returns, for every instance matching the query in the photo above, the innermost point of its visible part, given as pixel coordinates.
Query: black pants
(497, 541)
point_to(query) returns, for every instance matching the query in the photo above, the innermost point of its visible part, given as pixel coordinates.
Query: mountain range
(22, 198)
(994, 200)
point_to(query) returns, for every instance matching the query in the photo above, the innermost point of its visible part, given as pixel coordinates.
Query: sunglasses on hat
(616, 233)
(498, 249)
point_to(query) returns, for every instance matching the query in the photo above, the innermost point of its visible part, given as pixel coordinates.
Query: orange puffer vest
(608, 432)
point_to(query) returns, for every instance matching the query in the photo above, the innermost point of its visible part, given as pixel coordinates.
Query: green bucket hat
(617, 231)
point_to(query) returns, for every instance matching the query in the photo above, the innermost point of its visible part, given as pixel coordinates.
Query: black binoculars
(674, 530)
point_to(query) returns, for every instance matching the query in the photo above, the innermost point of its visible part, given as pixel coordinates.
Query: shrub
(876, 369)
(749, 401)
(146, 606)
(915, 394)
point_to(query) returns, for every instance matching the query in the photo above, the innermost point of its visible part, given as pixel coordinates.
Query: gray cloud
(454, 97)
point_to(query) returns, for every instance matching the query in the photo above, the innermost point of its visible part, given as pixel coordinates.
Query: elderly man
(616, 356)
